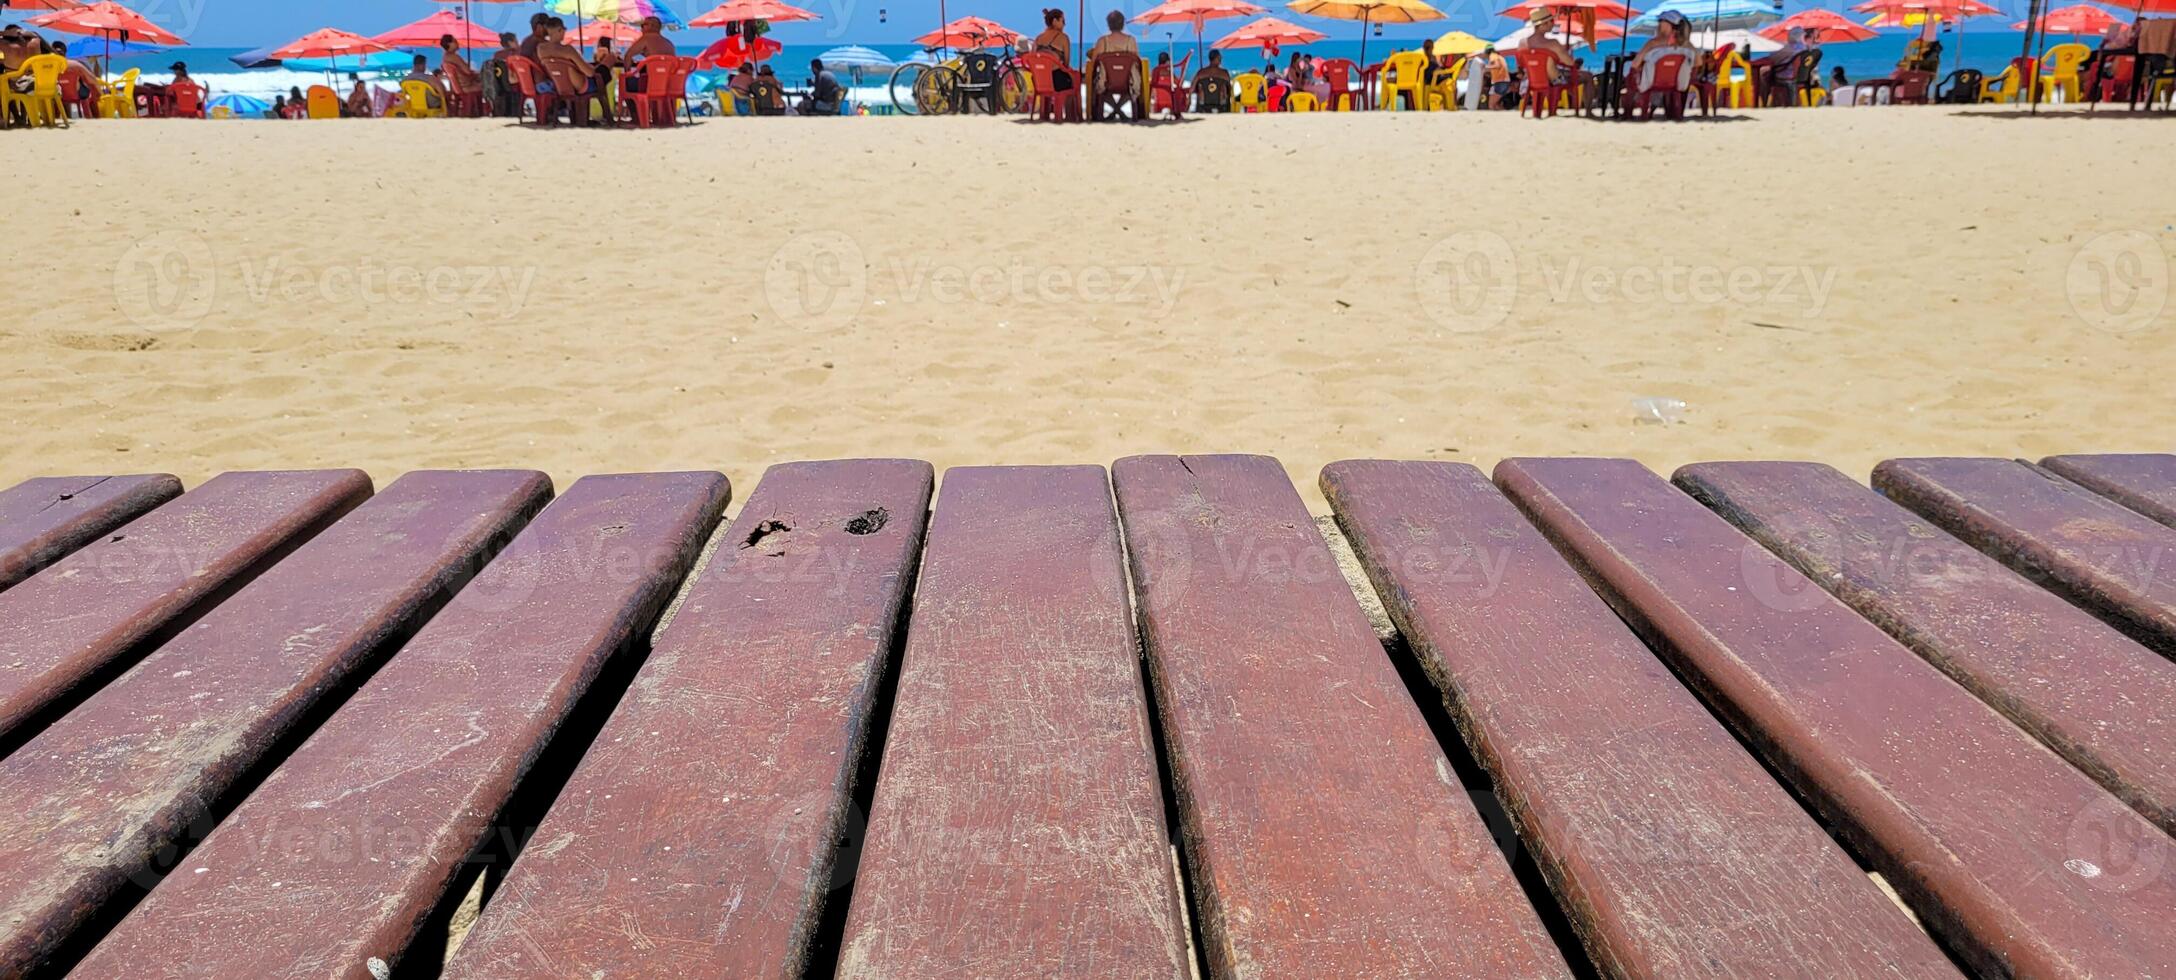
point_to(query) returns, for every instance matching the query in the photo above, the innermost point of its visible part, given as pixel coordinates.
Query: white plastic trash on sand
(1660, 411)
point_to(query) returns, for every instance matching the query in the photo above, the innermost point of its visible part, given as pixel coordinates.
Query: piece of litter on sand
(1660, 411)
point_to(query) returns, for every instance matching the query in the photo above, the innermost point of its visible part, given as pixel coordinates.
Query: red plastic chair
(1338, 73)
(1045, 102)
(1542, 88)
(79, 92)
(1114, 84)
(1370, 78)
(526, 73)
(1911, 87)
(1168, 89)
(2117, 85)
(664, 89)
(1703, 82)
(1667, 67)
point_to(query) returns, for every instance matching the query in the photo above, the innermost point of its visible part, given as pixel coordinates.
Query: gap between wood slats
(117, 908)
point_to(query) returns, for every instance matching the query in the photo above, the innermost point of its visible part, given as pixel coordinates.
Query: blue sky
(253, 23)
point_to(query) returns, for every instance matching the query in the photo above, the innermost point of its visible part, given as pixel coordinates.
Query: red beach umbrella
(426, 32)
(1196, 12)
(730, 51)
(2081, 18)
(970, 33)
(110, 20)
(1826, 26)
(739, 10)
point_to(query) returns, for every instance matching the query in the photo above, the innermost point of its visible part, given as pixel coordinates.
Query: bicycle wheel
(1014, 90)
(937, 91)
(904, 86)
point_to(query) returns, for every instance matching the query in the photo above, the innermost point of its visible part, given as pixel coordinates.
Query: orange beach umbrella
(1268, 34)
(426, 32)
(2081, 18)
(329, 43)
(1367, 12)
(40, 4)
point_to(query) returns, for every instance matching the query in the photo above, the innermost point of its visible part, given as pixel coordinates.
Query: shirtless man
(651, 44)
(421, 72)
(1543, 23)
(460, 79)
(564, 62)
(16, 46)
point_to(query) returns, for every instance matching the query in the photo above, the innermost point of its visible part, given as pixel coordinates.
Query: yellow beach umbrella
(1460, 44)
(1368, 11)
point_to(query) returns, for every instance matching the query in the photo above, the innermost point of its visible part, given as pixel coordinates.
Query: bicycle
(997, 83)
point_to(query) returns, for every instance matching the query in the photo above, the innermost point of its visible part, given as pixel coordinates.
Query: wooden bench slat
(331, 866)
(2082, 688)
(2025, 864)
(1017, 828)
(696, 837)
(1326, 832)
(2144, 482)
(44, 519)
(1672, 849)
(2103, 556)
(94, 798)
(60, 628)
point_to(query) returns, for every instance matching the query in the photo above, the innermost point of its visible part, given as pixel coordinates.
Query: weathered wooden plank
(329, 868)
(2106, 558)
(44, 519)
(85, 614)
(1671, 847)
(2144, 482)
(2079, 686)
(2023, 863)
(1017, 829)
(1326, 832)
(696, 837)
(141, 764)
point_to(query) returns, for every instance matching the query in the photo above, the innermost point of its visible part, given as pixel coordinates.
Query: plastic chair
(568, 88)
(1672, 95)
(1302, 102)
(1542, 88)
(2008, 86)
(2061, 65)
(415, 102)
(1704, 75)
(1249, 92)
(1339, 74)
(1728, 85)
(1404, 73)
(80, 92)
(1444, 95)
(1213, 93)
(664, 88)
(324, 103)
(118, 100)
(546, 104)
(1168, 91)
(1045, 102)
(1911, 87)
(185, 100)
(42, 105)
(1114, 84)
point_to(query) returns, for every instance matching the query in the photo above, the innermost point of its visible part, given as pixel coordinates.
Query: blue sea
(1988, 50)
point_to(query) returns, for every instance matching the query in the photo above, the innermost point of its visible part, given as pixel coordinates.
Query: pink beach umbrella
(1825, 26)
(1196, 12)
(426, 32)
(2081, 18)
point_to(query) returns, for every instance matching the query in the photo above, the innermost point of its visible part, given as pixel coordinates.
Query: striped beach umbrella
(618, 11)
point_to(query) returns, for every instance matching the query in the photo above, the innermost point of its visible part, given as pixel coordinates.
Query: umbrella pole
(1364, 12)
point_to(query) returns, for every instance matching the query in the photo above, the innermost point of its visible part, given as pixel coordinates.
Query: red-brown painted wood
(696, 837)
(2144, 482)
(1017, 829)
(44, 519)
(2026, 865)
(2082, 688)
(62, 627)
(2101, 555)
(1673, 850)
(1326, 833)
(329, 868)
(138, 766)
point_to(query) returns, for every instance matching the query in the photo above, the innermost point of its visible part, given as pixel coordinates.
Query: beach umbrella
(2081, 18)
(1717, 14)
(109, 20)
(1927, 12)
(330, 44)
(1197, 13)
(39, 4)
(1460, 44)
(1824, 26)
(1368, 12)
(1267, 34)
(259, 58)
(857, 60)
(599, 30)
(1740, 38)
(618, 11)
(238, 104)
(732, 11)
(1573, 15)
(970, 33)
(1575, 34)
(732, 50)
(426, 32)
(466, 12)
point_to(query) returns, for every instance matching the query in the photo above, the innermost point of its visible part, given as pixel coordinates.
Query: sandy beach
(1838, 285)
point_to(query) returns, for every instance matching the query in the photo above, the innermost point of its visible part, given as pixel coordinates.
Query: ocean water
(1988, 50)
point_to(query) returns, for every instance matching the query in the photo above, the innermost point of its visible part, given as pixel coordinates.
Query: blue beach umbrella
(246, 106)
(374, 61)
(260, 58)
(1711, 14)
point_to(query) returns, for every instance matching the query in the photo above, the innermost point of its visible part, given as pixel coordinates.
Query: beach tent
(1368, 12)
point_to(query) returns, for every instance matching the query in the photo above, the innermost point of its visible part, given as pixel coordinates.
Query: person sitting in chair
(824, 93)
(420, 71)
(459, 78)
(1213, 85)
(1115, 42)
(1782, 67)
(1053, 41)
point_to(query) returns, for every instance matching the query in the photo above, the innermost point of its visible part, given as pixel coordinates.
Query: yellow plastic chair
(118, 100)
(2007, 87)
(222, 112)
(1302, 102)
(1732, 89)
(415, 102)
(1403, 72)
(725, 102)
(1444, 97)
(42, 105)
(2061, 64)
(1249, 92)
(324, 103)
